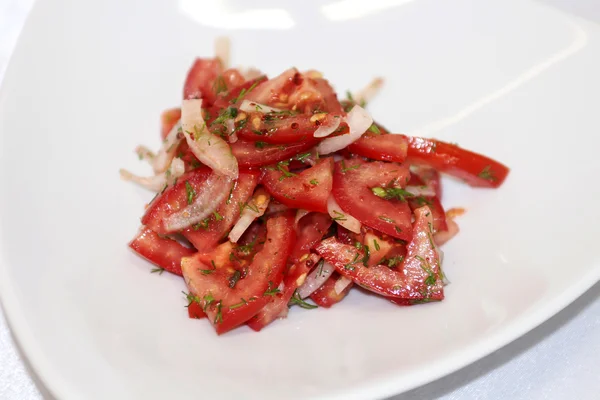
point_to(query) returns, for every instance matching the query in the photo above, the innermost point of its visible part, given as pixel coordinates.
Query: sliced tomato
(381, 147)
(311, 229)
(283, 127)
(229, 298)
(473, 168)
(174, 199)
(253, 155)
(418, 278)
(276, 91)
(168, 119)
(205, 235)
(236, 94)
(202, 82)
(195, 311)
(163, 252)
(326, 296)
(278, 306)
(433, 202)
(308, 190)
(352, 183)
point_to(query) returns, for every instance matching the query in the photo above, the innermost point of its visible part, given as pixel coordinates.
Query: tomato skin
(475, 169)
(381, 147)
(195, 311)
(233, 306)
(234, 95)
(311, 228)
(205, 239)
(277, 128)
(168, 119)
(352, 183)
(249, 155)
(201, 78)
(325, 296)
(418, 278)
(433, 202)
(278, 306)
(163, 252)
(298, 191)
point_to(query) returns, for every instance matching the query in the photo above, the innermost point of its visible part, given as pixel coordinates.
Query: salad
(273, 192)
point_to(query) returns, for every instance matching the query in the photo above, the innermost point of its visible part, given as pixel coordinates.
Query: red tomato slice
(276, 91)
(311, 229)
(195, 311)
(433, 202)
(352, 183)
(202, 82)
(236, 94)
(163, 252)
(205, 235)
(381, 147)
(282, 127)
(308, 190)
(168, 119)
(174, 199)
(251, 155)
(418, 278)
(326, 296)
(278, 306)
(475, 169)
(228, 304)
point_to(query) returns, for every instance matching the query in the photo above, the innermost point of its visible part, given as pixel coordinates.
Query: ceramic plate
(516, 80)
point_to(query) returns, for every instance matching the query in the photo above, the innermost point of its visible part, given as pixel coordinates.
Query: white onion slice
(256, 207)
(421, 190)
(369, 92)
(442, 237)
(358, 120)
(252, 106)
(341, 284)
(326, 130)
(223, 50)
(210, 196)
(158, 182)
(167, 150)
(344, 219)
(299, 215)
(250, 73)
(316, 278)
(145, 154)
(209, 148)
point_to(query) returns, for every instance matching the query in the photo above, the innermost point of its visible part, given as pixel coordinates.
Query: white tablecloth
(558, 360)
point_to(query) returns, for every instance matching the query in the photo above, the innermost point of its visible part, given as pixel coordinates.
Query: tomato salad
(272, 192)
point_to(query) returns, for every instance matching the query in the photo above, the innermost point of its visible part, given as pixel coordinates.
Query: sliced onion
(209, 148)
(167, 150)
(222, 50)
(211, 195)
(256, 208)
(344, 219)
(368, 92)
(316, 279)
(251, 106)
(158, 182)
(251, 73)
(358, 120)
(326, 130)
(420, 190)
(145, 154)
(299, 214)
(341, 284)
(443, 236)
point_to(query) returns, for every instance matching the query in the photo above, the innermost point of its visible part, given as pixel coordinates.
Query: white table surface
(558, 360)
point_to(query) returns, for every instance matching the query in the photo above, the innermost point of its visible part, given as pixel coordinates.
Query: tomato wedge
(283, 127)
(308, 190)
(278, 306)
(253, 155)
(201, 80)
(418, 278)
(352, 183)
(382, 147)
(230, 299)
(326, 296)
(475, 169)
(311, 229)
(195, 310)
(433, 202)
(205, 235)
(164, 252)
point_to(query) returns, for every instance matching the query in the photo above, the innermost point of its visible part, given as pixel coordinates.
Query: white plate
(516, 80)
